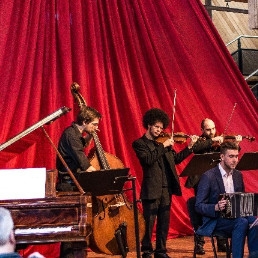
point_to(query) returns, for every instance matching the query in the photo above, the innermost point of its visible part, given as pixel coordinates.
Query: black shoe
(198, 249)
(221, 245)
(161, 255)
(198, 244)
(199, 240)
(147, 255)
(222, 248)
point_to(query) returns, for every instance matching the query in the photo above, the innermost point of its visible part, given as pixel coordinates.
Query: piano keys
(46, 220)
(240, 204)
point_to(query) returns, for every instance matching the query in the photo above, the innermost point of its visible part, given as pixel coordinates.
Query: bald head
(208, 128)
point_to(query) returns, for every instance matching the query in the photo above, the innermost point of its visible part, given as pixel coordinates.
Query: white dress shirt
(227, 180)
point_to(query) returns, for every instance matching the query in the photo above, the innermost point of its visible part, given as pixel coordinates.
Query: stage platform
(180, 247)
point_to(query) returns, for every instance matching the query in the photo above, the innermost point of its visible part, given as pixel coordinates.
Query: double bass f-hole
(112, 205)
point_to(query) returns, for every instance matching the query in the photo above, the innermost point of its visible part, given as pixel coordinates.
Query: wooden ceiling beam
(242, 1)
(225, 9)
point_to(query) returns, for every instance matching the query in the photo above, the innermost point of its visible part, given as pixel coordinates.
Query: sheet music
(26, 183)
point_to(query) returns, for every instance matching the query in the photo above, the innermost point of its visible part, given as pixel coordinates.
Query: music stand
(201, 163)
(103, 182)
(249, 161)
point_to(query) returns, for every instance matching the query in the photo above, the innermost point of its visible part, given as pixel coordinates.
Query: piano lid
(28, 142)
(50, 118)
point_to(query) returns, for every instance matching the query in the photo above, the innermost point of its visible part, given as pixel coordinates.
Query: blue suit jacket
(209, 188)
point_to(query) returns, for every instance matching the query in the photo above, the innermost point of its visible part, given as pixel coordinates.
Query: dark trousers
(157, 209)
(73, 250)
(238, 229)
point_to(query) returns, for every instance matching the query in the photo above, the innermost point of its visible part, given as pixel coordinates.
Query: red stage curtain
(127, 56)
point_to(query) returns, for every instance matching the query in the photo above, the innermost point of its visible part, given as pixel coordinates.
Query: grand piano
(55, 218)
(46, 220)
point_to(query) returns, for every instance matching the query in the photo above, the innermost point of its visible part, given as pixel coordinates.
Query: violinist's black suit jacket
(150, 155)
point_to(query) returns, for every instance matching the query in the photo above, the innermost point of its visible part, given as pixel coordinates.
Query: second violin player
(160, 179)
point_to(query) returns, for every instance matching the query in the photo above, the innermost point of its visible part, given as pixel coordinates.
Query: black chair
(196, 219)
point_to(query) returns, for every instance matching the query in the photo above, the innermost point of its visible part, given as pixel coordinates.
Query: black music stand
(103, 182)
(111, 181)
(201, 163)
(249, 161)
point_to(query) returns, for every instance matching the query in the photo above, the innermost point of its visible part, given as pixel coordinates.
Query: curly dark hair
(153, 116)
(87, 114)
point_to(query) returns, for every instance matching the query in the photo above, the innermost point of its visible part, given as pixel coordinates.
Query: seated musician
(224, 178)
(7, 238)
(71, 147)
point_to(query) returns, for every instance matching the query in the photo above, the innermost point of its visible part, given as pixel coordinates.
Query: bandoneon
(240, 204)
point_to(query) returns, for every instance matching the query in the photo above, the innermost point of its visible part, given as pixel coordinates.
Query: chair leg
(228, 249)
(194, 252)
(213, 247)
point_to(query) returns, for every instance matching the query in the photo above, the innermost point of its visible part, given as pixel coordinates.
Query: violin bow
(229, 120)
(173, 116)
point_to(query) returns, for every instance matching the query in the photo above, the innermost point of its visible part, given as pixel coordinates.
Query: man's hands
(170, 141)
(194, 139)
(221, 205)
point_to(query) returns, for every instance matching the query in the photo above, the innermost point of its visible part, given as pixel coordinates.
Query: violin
(232, 138)
(179, 137)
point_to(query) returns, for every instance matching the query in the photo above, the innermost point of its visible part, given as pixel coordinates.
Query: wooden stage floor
(181, 247)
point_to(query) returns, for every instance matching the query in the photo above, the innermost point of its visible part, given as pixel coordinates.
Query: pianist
(71, 147)
(224, 178)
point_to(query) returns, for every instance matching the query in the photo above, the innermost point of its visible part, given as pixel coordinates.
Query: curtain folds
(127, 56)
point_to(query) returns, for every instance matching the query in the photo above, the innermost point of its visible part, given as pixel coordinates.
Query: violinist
(210, 144)
(160, 180)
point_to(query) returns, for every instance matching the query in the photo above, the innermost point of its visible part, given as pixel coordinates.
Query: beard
(230, 166)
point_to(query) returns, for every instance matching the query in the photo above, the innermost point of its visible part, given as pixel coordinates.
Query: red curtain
(127, 56)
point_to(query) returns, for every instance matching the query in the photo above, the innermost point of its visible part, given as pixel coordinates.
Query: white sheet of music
(27, 183)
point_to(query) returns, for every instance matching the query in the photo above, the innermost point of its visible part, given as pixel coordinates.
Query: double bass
(112, 215)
